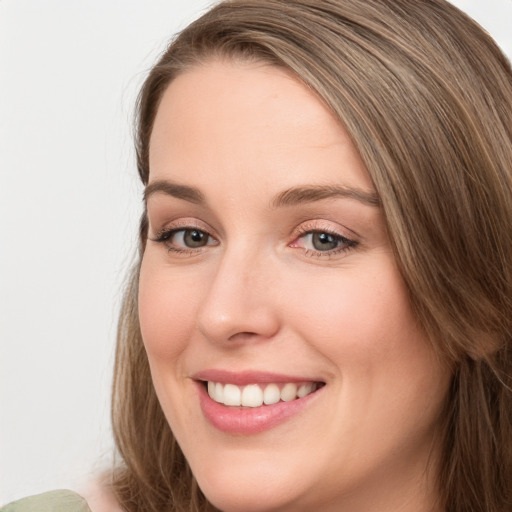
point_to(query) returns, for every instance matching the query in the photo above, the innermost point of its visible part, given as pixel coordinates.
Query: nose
(239, 305)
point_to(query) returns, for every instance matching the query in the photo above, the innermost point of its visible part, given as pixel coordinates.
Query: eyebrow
(289, 197)
(309, 194)
(185, 192)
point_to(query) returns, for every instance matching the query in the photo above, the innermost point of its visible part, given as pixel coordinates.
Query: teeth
(252, 396)
(255, 395)
(211, 390)
(271, 395)
(305, 389)
(219, 392)
(232, 395)
(289, 392)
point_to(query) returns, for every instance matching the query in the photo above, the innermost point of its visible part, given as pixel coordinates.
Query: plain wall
(69, 207)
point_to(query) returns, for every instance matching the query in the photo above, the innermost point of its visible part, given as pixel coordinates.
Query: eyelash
(165, 236)
(345, 244)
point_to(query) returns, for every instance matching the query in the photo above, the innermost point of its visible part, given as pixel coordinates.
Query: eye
(191, 238)
(185, 239)
(322, 243)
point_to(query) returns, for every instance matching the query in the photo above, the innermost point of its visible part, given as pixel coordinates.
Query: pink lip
(248, 377)
(248, 420)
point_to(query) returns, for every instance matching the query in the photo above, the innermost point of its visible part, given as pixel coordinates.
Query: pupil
(324, 241)
(195, 238)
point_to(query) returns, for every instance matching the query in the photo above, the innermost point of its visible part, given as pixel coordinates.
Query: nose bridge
(238, 303)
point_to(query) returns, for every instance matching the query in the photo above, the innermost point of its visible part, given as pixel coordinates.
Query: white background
(69, 207)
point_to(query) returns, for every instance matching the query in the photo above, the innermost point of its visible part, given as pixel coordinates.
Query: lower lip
(250, 420)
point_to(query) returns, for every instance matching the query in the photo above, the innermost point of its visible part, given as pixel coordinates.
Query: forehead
(253, 117)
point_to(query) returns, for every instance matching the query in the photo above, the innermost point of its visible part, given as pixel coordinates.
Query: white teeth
(232, 395)
(216, 391)
(271, 395)
(305, 389)
(254, 395)
(219, 393)
(289, 392)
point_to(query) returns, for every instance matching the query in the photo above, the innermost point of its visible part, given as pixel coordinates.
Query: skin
(99, 496)
(260, 296)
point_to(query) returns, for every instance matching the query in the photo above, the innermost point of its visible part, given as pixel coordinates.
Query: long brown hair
(426, 96)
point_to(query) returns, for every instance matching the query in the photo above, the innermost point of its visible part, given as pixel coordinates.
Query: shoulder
(54, 501)
(97, 497)
(100, 497)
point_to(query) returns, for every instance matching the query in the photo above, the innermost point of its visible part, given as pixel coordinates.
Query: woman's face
(268, 278)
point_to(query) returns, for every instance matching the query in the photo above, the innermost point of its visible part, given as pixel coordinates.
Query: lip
(249, 377)
(249, 420)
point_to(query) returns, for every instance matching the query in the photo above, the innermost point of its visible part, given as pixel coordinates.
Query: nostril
(242, 336)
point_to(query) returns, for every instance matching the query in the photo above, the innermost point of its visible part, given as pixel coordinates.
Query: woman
(320, 317)
(404, 335)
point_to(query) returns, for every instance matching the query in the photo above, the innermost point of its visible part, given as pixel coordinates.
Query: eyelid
(346, 238)
(179, 224)
(165, 236)
(320, 226)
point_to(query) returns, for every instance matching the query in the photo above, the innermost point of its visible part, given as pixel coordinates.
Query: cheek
(362, 323)
(167, 309)
(386, 372)
(359, 314)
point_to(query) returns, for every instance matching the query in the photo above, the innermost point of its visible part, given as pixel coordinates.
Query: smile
(250, 403)
(257, 395)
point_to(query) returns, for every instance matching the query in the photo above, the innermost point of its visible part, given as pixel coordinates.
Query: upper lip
(242, 378)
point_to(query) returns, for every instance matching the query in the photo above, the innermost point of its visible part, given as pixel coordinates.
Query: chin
(228, 499)
(251, 491)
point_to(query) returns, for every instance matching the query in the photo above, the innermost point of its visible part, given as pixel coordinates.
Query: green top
(53, 501)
